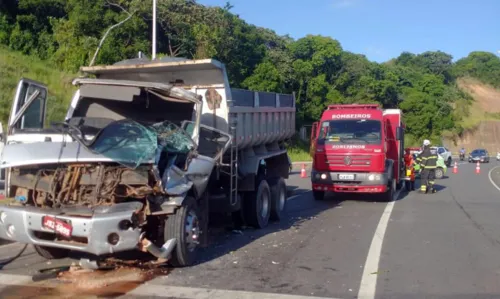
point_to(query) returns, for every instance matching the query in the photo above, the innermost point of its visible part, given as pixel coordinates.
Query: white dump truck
(146, 151)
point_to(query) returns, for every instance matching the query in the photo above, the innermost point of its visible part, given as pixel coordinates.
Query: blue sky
(382, 29)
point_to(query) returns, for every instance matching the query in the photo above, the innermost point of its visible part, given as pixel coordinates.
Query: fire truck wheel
(257, 207)
(319, 195)
(408, 185)
(278, 198)
(391, 189)
(51, 253)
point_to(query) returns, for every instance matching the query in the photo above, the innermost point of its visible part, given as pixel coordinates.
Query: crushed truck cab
(147, 150)
(357, 149)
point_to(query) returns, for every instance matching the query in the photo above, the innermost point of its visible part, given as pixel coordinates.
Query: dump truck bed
(260, 118)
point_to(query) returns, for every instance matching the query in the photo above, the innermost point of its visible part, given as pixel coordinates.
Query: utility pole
(154, 29)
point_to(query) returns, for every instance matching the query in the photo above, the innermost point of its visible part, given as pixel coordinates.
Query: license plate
(346, 176)
(57, 225)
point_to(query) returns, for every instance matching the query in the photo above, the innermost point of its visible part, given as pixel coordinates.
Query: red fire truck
(358, 148)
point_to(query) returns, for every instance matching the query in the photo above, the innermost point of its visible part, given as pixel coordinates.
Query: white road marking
(368, 284)
(150, 289)
(196, 293)
(491, 180)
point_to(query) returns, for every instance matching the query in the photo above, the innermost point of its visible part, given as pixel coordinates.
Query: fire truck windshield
(351, 131)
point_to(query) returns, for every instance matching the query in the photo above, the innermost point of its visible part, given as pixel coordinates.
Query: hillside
(14, 66)
(482, 124)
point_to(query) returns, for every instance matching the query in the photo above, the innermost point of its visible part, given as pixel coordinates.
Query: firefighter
(410, 170)
(428, 161)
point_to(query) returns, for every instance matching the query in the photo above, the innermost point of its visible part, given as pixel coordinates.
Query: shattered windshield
(126, 142)
(130, 143)
(172, 138)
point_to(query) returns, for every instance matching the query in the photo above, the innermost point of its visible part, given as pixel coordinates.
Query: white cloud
(343, 3)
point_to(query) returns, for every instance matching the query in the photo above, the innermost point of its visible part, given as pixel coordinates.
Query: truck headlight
(374, 177)
(323, 176)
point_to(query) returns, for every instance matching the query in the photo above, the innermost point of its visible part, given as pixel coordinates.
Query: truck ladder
(233, 167)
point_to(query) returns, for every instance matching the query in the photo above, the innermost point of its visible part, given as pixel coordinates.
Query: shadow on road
(225, 237)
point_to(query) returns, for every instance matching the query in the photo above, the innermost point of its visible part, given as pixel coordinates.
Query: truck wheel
(389, 194)
(408, 186)
(318, 195)
(448, 163)
(438, 173)
(184, 226)
(278, 199)
(51, 253)
(258, 206)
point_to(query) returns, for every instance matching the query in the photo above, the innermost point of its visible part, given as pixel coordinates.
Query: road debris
(76, 282)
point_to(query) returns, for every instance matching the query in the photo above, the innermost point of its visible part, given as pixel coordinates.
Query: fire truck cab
(358, 148)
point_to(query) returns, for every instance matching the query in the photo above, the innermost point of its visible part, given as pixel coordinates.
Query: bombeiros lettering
(350, 116)
(348, 146)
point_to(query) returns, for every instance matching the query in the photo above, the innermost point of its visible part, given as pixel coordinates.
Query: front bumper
(90, 234)
(478, 159)
(362, 183)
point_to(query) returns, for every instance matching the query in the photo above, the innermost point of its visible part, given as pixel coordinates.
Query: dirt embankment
(486, 135)
(484, 113)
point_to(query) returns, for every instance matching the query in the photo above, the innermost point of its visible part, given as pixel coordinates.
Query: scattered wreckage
(147, 150)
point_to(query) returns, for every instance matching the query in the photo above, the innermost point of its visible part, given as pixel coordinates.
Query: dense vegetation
(65, 33)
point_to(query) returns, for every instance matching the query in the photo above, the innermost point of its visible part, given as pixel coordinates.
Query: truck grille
(356, 160)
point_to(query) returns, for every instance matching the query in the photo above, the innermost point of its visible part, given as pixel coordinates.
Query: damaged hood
(22, 154)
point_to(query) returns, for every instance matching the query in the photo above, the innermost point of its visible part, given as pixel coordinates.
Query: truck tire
(257, 206)
(184, 226)
(408, 185)
(389, 194)
(448, 163)
(51, 253)
(278, 198)
(318, 195)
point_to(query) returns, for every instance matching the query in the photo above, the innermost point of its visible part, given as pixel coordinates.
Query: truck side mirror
(399, 133)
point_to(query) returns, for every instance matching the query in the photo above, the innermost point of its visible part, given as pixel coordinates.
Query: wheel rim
(282, 199)
(264, 204)
(439, 173)
(192, 229)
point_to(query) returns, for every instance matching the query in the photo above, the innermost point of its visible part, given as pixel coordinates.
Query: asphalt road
(444, 245)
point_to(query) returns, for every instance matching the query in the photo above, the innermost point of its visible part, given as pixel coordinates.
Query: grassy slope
(14, 66)
(482, 121)
(486, 105)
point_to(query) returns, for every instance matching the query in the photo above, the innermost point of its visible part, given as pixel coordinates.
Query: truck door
(27, 115)
(27, 112)
(314, 136)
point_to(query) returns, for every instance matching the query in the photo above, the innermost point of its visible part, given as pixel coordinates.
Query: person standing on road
(428, 163)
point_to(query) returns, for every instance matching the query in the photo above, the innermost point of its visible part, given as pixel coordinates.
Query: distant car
(498, 156)
(479, 155)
